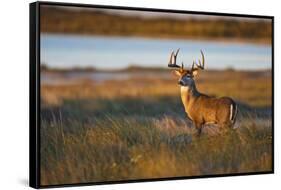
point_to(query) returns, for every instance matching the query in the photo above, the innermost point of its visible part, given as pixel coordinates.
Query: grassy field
(136, 129)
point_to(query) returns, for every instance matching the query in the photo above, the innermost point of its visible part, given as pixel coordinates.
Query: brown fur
(202, 109)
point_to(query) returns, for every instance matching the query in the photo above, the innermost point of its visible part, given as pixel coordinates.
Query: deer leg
(198, 126)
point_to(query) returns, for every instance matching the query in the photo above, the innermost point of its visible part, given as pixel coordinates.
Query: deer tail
(233, 112)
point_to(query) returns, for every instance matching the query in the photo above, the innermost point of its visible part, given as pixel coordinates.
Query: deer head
(185, 75)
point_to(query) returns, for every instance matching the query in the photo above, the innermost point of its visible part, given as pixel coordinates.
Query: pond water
(67, 51)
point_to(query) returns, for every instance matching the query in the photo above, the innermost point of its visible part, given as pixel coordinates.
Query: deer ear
(194, 72)
(176, 73)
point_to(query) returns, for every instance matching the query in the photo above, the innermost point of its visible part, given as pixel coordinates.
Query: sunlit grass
(121, 130)
(241, 86)
(135, 148)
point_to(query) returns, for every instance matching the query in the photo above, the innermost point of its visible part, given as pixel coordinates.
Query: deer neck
(188, 95)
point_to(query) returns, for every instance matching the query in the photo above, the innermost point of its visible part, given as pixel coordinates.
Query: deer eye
(187, 75)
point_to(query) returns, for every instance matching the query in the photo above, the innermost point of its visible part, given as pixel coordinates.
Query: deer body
(200, 108)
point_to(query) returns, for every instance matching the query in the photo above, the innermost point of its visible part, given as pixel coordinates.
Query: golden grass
(136, 129)
(122, 150)
(241, 86)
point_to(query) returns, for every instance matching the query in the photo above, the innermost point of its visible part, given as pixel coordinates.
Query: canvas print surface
(131, 95)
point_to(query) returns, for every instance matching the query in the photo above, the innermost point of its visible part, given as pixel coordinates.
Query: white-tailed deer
(200, 108)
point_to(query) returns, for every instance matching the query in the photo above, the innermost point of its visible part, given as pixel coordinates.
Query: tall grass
(136, 148)
(112, 147)
(138, 133)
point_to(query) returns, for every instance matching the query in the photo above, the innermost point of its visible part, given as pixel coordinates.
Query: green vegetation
(135, 129)
(82, 21)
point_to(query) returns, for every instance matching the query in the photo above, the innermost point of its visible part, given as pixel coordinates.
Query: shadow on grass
(85, 110)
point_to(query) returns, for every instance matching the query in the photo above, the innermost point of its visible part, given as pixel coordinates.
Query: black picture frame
(34, 93)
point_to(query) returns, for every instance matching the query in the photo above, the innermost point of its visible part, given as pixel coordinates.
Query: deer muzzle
(180, 82)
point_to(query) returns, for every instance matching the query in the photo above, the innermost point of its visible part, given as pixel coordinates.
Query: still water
(65, 51)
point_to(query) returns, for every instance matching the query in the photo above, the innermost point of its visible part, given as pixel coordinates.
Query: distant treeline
(45, 68)
(81, 21)
(130, 68)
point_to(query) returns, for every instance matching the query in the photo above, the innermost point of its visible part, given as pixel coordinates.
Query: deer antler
(195, 66)
(199, 65)
(173, 60)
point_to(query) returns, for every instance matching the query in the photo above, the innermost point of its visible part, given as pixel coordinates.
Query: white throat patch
(184, 88)
(184, 95)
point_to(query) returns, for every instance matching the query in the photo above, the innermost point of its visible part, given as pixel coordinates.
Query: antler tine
(203, 59)
(171, 58)
(192, 68)
(175, 56)
(199, 65)
(177, 52)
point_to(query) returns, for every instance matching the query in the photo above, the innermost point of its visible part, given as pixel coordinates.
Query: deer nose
(180, 82)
